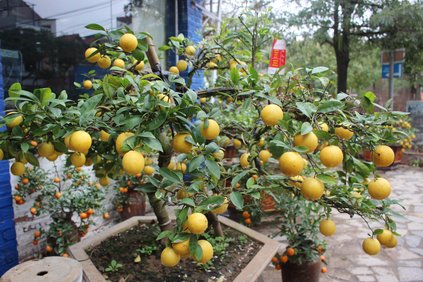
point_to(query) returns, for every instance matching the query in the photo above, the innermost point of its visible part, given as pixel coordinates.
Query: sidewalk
(347, 261)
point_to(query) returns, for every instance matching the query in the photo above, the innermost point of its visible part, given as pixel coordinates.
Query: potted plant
(70, 199)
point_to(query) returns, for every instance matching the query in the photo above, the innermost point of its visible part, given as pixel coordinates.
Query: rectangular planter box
(249, 274)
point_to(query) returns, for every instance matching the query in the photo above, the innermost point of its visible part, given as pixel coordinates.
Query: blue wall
(8, 245)
(190, 23)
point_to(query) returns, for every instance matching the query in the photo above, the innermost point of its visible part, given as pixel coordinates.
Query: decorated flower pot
(308, 272)
(135, 205)
(230, 152)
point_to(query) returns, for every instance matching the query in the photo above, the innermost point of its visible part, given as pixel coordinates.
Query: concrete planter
(250, 273)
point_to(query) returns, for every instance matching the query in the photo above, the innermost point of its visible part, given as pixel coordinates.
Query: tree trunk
(214, 221)
(342, 61)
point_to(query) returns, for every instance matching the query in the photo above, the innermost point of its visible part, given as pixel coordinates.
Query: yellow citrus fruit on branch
(371, 246)
(80, 141)
(149, 170)
(133, 162)
(264, 155)
(291, 163)
(53, 157)
(104, 136)
(385, 237)
(383, 156)
(180, 145)
(77, 159)
(45, 149)
(327, 227)
(17, 168)
(128, 42)
(1, 154)
(197, 223)
(392, 243)
(243, 160)
(104, 181)
(331, 156)
(169, 257)
(207, 250)
(120, 139)
(222, 208)
(312, 189)
(104, 62)
(87, 84)
(324, 126)
(93, 58)
(237, 143)
(210, 131)
(181, 248)
(219, 155)
(15, 122)
(139, 66)
(344, 133)
(174, 70)
(308, 140)
(379, 188)
(271, 114)
(119, 63)
(182, 65)
(190, 50)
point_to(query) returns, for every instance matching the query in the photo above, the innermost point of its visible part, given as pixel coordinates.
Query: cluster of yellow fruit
(182, 65)
(406, 143)
(127, 43)
(196, 223)
(292, 164)
(372, 246)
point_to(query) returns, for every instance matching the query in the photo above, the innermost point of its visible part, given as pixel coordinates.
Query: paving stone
(412, 263)
(410, 274)
(412, 240)
(361, 271)
(367, 260)
(366, 278)
(341, 274)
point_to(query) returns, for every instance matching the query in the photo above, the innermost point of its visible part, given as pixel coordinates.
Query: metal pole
(111, 15)
(391, 78)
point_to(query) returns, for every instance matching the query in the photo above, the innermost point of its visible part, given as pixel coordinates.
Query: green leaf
(182, 216)
(158, 121)
(15, 89)
(306, 128)
(170, 175)
(32, 159)
(164, 48)
(301, 149)
(153, 143)
(307, 108)
(327, 179)
(317, 70)
(194, 249)
(237, 178)
(234, 74)
(192, 95)
(187, 202)
(377, 231)
(329, 106)
(361, 167)
(95, 26)
(213, 168)
(213, 201)
(237, 200)
(164, 234)
(146, 188)
(195, 163)
(44, 95)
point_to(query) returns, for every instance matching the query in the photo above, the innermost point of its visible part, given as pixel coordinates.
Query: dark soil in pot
(308, 272)
(123, 248)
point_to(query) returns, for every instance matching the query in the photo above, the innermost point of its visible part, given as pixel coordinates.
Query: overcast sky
(72, 15)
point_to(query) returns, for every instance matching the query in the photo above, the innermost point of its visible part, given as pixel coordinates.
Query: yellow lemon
(45, 149)
(180, 145)
(197, 223)
(291, 163)
(243, 160)
(265, 155)
(1, 154)
(237, 143)
(222, 208)
(119, 63)
(182, 65)
(211, 131)
(327, 227)
(207, 250)
(379, 188)
(383, 156)
(77, 159)
(133, 162)
(392, 243)
(139, 66)
(174, 70)
(104, 62)
(104, 136)
(181, 248)
(128, 42)
(93, 58)
(271, 114)
(344, 133)
(385, 237)
(80, 141)
(17, 168)
(104, 181)
(169, 257)
(324, 126)
(87, 84)
(331, 156)
(371, 246)
(121, 139)
(308, 140)
(312, 189)
(148, 170)
(219, 155)
(190, 51)
(15, 122)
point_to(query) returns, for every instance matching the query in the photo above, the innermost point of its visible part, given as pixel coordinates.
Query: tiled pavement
(347, 261)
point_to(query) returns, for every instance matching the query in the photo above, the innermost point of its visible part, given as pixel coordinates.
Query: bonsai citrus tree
(312, 134)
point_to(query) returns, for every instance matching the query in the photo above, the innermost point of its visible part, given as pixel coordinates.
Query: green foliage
(113, 266)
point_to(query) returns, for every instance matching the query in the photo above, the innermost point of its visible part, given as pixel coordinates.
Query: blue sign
(398, 70)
